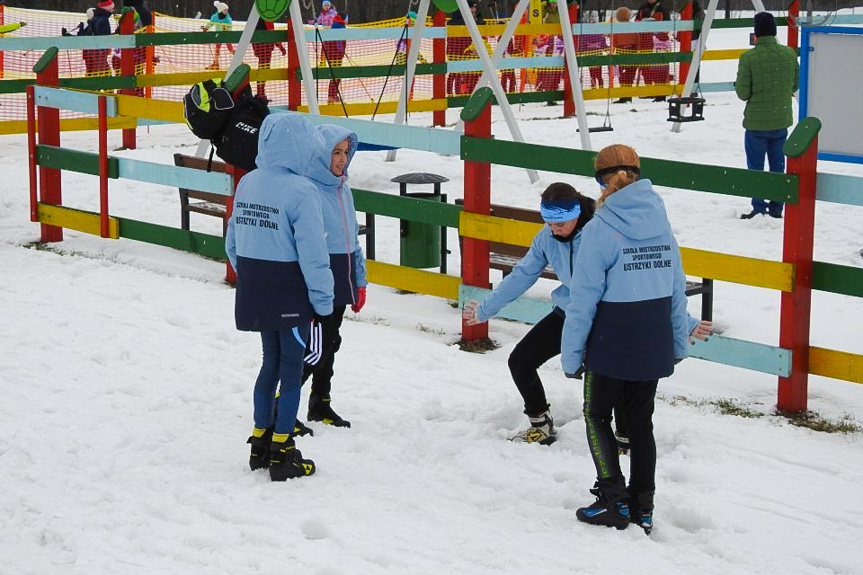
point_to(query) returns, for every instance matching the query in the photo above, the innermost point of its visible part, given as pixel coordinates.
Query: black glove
(579, 373)
(64, 32)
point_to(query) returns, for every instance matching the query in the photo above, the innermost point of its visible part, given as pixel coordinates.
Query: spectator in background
(653, 10)
(625, 43)
(264, 53)
(507, 76)
(146, 18)
(592, 45)
(457, 47)
(100, 25)
(221, 21)
(327, 15)
(89, 56)
(767, 77)
(548, 79)
(334, 54)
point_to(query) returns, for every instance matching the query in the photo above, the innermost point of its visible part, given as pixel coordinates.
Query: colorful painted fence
(163, 61)
(792, 360)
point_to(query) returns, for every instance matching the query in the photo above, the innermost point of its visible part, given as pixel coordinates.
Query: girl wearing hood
(565, 212)
(276, 243)
(329, 173)
(627, 322)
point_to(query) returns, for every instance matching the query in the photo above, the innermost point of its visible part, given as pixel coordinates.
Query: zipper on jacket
(347, 241)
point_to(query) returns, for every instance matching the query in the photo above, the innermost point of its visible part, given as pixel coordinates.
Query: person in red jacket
(658, 74)
(264, 53)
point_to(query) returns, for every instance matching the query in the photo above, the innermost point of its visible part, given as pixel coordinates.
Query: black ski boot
(641, 510)
(286, 461)
(301, 429)
(321, 410)
(260, 456)
(611, 507)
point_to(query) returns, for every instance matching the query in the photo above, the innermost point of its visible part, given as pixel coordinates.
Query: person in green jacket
(767, 77)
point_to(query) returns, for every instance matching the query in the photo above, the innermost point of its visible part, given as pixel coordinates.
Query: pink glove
(361, 300)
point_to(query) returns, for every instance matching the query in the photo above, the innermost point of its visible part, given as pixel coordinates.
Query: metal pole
(574, 78)
(416, 37)
(496, 88)
(303, 53)
(696, 57)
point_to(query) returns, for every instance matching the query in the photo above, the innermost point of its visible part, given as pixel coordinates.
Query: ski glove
(579, 373)
(361, 300)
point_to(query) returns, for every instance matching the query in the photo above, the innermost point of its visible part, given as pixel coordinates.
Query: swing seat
(593, 129)
(676, 107)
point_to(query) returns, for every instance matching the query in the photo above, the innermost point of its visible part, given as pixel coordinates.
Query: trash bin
(422, 244)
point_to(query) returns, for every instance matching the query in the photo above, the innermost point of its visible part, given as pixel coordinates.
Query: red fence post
(47, 74)
(477, 199)
(793, 16)
(802, 151)
(685, 43)
(295, 87)
(127, 69)
(568, 95)
(31, 154)
(150, 58)
(104, 230)
(439, 80)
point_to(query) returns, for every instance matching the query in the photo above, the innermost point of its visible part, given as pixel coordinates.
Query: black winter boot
(286, 461)
(260, 456)
(611, 507)
(641, 510)
(321, 410)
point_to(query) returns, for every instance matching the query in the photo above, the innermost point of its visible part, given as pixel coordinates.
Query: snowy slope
(126, 401)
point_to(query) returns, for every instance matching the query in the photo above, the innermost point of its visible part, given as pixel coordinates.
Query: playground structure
(791, 360)
(370, 77)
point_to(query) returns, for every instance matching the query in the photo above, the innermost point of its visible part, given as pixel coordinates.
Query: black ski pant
(634, 400)
(540, 344)
(322, 372)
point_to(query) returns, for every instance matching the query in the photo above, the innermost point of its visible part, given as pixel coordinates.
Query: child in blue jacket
(627, 322)
(276, 243)
(329, 172)
(565, 212)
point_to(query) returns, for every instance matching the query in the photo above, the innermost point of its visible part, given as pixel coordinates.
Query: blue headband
(560, 210)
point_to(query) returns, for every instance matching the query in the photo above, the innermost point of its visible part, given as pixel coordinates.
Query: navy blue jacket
(101, 22)
(275, 238)
(347, 261)
(627, 305)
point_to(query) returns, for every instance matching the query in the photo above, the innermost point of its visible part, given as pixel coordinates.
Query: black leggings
(540, 344)
(322, 372)
(634, 399)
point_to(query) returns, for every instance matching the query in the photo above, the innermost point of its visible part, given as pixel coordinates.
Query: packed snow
(126, 400)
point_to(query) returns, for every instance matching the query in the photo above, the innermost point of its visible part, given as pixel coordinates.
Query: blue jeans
(760, 143)
(283, 361)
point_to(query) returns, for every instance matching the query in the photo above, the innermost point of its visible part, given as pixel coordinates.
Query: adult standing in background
(653, 10)
(264, 53)
(626, 43)
(100, 25)
(767, 77)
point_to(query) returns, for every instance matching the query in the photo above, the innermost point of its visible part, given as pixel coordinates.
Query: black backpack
(238, 144)
(207, 108)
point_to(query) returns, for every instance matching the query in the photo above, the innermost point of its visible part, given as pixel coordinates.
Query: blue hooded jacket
(340, 218)
(627, 305)
(275, 237)
(544, 250)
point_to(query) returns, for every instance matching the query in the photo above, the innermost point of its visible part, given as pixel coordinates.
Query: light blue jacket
(544, 251)
(275, 238)
(347, 261)
(627, 307)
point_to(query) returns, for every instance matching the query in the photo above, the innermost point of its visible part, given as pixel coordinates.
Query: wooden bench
(216, 205)
(504, 257)
(210, 204)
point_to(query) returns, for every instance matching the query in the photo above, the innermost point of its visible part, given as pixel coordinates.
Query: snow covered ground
(126, 402)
